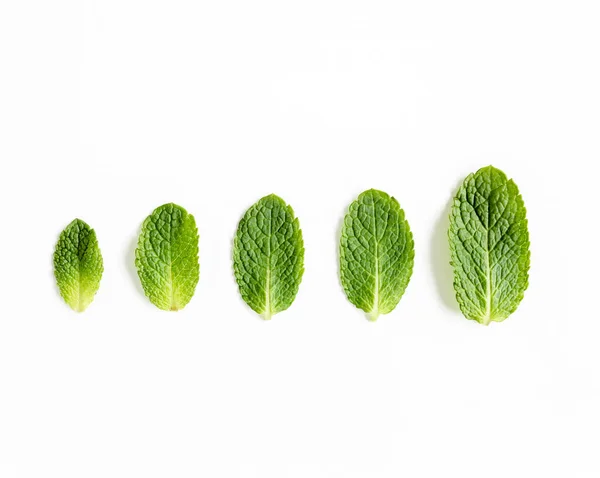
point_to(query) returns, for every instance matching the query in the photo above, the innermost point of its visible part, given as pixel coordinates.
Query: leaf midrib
(487, 318)
(375, 310)
(488, 280)
(83, 250)
(267, 312)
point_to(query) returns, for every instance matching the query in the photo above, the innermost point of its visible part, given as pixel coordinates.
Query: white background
(110, 108)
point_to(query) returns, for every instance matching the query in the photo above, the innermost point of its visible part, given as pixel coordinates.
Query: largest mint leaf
(376, 253)
(78, 265)
(167, 257)
(489, 246)
(268, 256)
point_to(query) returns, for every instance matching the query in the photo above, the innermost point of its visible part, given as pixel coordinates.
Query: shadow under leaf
(440, 259)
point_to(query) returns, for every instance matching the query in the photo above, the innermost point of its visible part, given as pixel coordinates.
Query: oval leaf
(78, 265)
(167, 257)
(376, 253)
(489, 246)
(268, 256)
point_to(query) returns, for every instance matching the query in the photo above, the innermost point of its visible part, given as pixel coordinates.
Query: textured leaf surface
(167, 257)
(376, 253)
(78, 265)
(268, 256)
(489, 246)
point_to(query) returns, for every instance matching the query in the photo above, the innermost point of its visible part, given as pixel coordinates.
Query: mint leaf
(489, 246)
(78, 265)
(268, 256)
(376, 253)
(167, 257)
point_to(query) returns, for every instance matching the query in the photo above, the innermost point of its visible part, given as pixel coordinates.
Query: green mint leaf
(78, 265)
(489, 246)
(167, 257)
(268, 256)
(376, 253)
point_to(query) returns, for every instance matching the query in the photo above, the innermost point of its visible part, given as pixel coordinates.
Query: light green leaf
(78, 265)
(268, 256)
(376, 253)
(489, 246)
(167, 257)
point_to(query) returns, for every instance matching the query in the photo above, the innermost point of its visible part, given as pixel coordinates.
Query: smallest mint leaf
(78, 265)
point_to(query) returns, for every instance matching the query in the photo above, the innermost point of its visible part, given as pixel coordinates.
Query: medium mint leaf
(167, 257)
(268, 256)
(376, 253)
